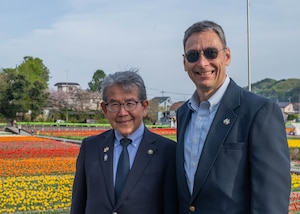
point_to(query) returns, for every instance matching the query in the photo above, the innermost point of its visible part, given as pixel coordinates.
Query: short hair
(126, 79)
(202, 27)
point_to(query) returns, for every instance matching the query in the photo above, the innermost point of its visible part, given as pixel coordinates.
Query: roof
(176, 105)
(283, 104)
(160, 99)
(66, 83)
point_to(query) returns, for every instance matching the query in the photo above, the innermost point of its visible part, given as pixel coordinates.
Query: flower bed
(294, 143)
(74, 133)
(37, 166)
(35, 193)
(36, 174)
(294, 207)
(37, 149)
(85, 133)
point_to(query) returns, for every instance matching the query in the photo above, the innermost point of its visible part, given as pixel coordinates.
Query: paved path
(15, 130)
(60, 139)
(295, 167)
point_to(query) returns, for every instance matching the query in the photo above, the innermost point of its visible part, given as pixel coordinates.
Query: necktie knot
(125, 141)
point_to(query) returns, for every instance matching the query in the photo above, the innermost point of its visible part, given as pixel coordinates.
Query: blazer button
(192, 208)
(114, 213)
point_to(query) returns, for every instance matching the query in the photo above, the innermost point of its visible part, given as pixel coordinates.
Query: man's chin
(125, 131)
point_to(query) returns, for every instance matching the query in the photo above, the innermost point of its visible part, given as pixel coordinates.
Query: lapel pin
(150, 151)
(226, 121)
(105, 157)
(106, 149)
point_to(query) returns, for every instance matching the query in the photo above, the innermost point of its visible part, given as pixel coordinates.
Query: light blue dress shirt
(198, 128)
(132, 148)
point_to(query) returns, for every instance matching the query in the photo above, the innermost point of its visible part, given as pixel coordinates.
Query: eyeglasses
(209, 53)
(116, 106)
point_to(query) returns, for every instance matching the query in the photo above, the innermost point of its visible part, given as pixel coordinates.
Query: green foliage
(24, 88)
(292, 117)
(34, 70)
(282, 90)
(14, 94)
(95, 84)
(37, 93)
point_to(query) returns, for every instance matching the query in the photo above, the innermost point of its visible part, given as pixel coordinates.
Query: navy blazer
(245, 165)
(150, 187)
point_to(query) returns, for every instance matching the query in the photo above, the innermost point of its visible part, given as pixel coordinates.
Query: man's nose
(202, 61)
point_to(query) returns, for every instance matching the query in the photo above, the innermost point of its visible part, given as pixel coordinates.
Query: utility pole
(248, 44)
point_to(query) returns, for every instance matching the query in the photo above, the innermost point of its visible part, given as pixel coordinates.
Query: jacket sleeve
(170, 184)
(79, 192)
(269, 162)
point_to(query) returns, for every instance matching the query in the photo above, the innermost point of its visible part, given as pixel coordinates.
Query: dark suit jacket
(150, 186)
(245, 166)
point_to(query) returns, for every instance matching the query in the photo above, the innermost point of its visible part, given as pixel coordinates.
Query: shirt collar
(134, 136)
(214, 100)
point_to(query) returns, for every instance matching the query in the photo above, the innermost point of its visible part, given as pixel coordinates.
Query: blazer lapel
(183, 119)
(106, 151)
(144, 154)
(222, 123)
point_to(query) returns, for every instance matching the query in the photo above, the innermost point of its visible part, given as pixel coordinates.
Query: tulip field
(79, 134)
(36, 174)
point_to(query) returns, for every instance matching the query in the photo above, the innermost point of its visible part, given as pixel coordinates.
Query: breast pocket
(233, 146)
(231, 154)
(231, 158)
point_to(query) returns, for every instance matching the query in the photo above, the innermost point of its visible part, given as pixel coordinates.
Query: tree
(3, 84)
(95, 84)
(153, 111)
(283, 90)
(3, 92)
(14, 96)
(37, 93)
(25, 88)
(34, 70)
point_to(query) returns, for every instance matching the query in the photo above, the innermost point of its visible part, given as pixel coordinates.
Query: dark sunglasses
(209, 53)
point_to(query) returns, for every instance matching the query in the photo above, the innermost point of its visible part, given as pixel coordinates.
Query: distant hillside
(282, 90)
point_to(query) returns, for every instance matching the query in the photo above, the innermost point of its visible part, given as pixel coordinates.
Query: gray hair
(128, 80)
(205, 26)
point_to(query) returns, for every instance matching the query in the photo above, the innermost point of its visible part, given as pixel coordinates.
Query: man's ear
(104, 109)
(228, 56)
(184, 62)
(145, 105)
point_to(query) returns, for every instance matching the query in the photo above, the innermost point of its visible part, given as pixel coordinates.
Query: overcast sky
(74, 38)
